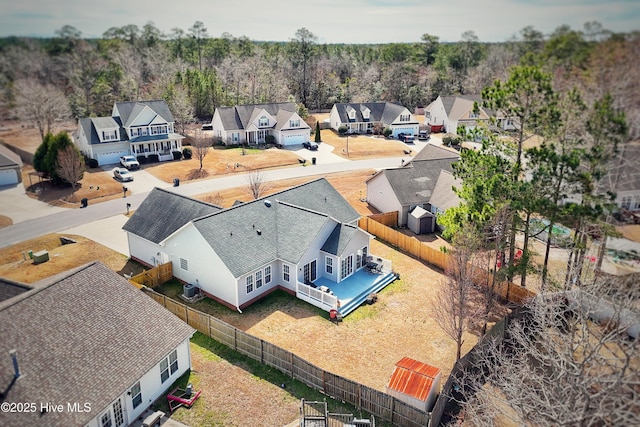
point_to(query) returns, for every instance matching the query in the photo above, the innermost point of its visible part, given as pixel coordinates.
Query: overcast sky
(332, 21)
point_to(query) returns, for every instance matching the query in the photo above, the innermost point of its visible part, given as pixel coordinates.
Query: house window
(105, 420)
(405, 117)
(184, 264)
(169, 366)
(258, 279)
(164, 370)
(626, 202)
(267, 275)
(285, 273)
(474, 115)
(264, 121)
(347, 266)
(109, 135)
(249, 284)
(294, 123)
(173, 361)
(328, 263)
(136, 395)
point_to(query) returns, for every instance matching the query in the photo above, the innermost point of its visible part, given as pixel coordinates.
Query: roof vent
(267, 203)
(259, 232)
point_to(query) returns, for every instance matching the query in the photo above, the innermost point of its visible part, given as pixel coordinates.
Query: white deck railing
(316, 297)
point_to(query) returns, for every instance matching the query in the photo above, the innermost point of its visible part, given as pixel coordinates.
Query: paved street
(32, 218)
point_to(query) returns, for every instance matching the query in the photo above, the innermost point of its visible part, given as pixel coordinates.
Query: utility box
(40, 257)
(189, 290)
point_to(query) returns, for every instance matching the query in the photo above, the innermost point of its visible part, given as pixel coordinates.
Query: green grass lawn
(201, 414)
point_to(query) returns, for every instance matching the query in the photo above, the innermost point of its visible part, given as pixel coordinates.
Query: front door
(118, 413)
(310, 272)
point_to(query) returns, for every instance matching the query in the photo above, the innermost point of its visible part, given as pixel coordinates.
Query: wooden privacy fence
(506, 290)
(373, 401)
(390, 219)
(153, 277)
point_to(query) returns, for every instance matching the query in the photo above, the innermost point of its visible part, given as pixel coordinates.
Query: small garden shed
(415, 383)
(421, 221)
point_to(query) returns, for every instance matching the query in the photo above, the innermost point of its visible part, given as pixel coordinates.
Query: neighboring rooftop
(413, 378)
(85, 335)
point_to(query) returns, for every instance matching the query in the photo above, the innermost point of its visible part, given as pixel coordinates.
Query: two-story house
(252, 124)
(362, 117)
(139, 128)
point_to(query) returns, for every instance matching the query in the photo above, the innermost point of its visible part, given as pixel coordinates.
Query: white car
(122, 174)
(129, 162)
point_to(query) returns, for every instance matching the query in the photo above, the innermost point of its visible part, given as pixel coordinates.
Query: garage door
(409, 130)
(8, 177)
(110, 157)
(295, 138)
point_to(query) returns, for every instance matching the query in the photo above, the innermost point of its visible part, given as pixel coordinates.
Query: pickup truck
(129, 162)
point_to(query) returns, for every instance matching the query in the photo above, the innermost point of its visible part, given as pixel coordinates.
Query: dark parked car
(406, 137)
(424, 135)
(310, 145)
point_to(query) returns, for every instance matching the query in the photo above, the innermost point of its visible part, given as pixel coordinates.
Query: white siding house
(449, 112)
(142, 129)
(414, 184)
(238, 255)
(89, 341)
(254, 124)
(363, 117)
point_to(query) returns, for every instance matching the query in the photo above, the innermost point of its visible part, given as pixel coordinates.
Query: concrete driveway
(108, 232)
(143, 181)
(324, 154)
(17, 205)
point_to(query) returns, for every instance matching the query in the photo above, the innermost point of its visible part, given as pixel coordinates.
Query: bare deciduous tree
(257, 185)
(557, 366)
(201, 146)
(458, 305)
(42, 105)
(70, 166)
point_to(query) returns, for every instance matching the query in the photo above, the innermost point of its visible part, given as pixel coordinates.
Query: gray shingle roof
(287, 228)
(130, 109)
(84, 336)
(339, 238)
(163, 212)
(9, 289)
(414, 184)
(385, 112)
(443, 197)
(624, 170)
(239, 116)
(248, 236)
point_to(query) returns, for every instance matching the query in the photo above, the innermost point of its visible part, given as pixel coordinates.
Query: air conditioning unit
(189, 290)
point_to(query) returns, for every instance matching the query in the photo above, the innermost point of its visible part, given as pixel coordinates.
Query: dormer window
(352, 114)
(366, 113)
(110, 135)
(263, 121)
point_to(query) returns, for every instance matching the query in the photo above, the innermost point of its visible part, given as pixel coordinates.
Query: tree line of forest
(77, 77)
